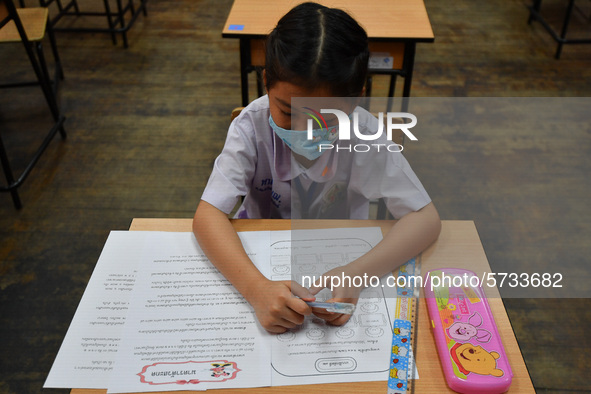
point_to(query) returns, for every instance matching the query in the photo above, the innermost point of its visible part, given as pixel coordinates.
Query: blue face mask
(298, 142)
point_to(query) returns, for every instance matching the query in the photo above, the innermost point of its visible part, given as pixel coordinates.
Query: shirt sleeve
(403, 191)
(234, 168)
(388, 175)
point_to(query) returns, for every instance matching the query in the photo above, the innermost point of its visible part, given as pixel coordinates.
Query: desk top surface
(458, 246)
(386, 20)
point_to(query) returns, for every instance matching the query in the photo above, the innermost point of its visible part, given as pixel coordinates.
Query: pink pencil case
(468, 342)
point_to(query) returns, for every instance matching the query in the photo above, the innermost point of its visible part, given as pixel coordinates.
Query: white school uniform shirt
(257, 165)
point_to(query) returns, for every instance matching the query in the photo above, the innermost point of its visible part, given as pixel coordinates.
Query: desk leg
(260, 83)
(122, 20)
(244, 65)
(368, 85)
(562, 40)
(391, 90)
(409, 61)
(110, 22)
(534, 10)
(9, 177)
(42, 75)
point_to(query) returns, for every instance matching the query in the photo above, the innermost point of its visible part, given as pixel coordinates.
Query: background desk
(457, 246)
(393, 26)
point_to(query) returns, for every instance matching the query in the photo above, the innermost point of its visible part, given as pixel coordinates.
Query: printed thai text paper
(182, 326)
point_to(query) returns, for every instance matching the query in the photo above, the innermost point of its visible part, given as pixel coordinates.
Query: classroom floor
(145, 124)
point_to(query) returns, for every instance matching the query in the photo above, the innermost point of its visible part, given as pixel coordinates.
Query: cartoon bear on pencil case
(470, 358)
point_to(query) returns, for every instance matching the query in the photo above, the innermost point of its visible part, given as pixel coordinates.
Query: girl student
(314, 52)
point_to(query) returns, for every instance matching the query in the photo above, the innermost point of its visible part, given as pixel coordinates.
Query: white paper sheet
(319, 353)
(87, 354)
(189, 329)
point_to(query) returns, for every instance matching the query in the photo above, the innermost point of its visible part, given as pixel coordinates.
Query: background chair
(29, 26)
(235, 112)
(116, 18)
(61, 8)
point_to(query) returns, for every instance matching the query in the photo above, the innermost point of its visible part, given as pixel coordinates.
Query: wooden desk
(457, 246)
(393, 27)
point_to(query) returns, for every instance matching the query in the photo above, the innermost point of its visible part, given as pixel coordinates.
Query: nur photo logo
(343, 130)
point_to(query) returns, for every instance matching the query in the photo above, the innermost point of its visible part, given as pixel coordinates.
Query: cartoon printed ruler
(361, 346)
(402, 373)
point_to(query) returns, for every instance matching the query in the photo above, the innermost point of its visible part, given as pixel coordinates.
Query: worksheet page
(187, 326)
(316, 352)
(89, 349)
(158, 316)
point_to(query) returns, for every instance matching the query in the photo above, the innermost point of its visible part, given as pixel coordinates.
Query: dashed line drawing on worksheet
(315, 347)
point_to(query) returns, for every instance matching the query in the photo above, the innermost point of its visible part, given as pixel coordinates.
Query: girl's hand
(276, 307)
(334, 318)
(340, 293)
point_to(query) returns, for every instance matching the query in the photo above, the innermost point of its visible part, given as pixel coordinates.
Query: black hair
(316, 46)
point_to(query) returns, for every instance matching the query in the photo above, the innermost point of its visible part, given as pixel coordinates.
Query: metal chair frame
(116, 20)
(560, 38)
(39, 65)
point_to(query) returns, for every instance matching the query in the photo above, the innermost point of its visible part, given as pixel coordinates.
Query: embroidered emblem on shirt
(276, 199)
(266, 185)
